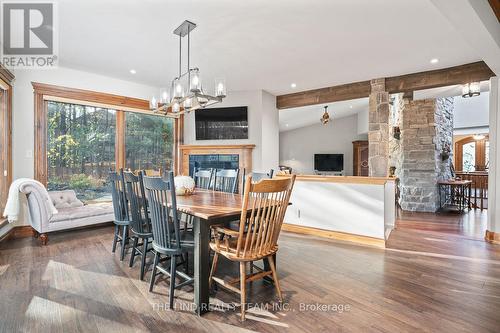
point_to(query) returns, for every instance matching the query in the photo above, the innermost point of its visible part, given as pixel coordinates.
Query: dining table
(207, 208)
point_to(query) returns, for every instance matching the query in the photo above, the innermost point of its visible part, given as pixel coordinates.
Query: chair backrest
(117, 182)
(203, 178)
(257, 176)
(263, 210)
(138, 207)
(162, 203)
(226, 180)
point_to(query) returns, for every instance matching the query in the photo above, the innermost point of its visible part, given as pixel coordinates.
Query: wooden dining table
(207, 208)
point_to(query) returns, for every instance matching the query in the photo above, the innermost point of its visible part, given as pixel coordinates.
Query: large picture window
(148, 142)
(80, 149)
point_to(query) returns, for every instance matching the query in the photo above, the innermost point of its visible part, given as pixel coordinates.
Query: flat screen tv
(329, 162)
(222, 123)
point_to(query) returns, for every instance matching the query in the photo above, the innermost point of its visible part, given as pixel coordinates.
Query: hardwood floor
(429, 280)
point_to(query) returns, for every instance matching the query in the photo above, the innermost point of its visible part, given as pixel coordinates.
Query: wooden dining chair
(140, 224)
(203, 178)
(168, 240)
(263, 210)
(226, 180)
(120, 208)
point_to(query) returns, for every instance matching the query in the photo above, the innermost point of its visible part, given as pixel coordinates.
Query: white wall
(493, 179)
(23, 108)
(363, 122)
(471, 112)
(263, 127)
(298, 146)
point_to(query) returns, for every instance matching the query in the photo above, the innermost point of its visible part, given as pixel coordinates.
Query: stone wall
(378, 129)
(426, 127)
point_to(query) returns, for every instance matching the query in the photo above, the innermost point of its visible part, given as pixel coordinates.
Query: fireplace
(213, 161)
(215, 156)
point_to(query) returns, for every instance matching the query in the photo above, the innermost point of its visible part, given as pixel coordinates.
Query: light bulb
(176, 107)
(220, 88)
(153, 104)
(178, 90)
(188, 103)
(195, 84)
(164, 96)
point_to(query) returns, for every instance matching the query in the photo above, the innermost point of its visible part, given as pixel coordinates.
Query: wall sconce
(396, 132)
(471, 89)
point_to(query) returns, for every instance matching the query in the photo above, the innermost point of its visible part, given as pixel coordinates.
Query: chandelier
(471, 89)
(326, 117)
(186, 91)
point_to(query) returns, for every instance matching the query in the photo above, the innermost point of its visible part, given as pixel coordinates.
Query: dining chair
(226, 180)
(140, 224)
(168, 240)
(121, 221)
(263, 210)
(203, 178)
(256, 176)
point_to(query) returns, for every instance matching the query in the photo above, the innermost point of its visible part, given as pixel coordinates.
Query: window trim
(6, 78)
(480, 153)
(46, 92)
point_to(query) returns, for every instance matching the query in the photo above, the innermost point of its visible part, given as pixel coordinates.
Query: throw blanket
(12, 208)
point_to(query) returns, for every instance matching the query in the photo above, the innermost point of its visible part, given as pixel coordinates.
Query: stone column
(378, 129)
(427, 128)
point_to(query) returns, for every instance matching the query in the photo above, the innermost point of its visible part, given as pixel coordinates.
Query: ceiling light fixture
(471, 89)
(293, 85)
(326, 117)
(478, 137)
(186, 91)
(133, 71)
(350, 106)
(434, 61)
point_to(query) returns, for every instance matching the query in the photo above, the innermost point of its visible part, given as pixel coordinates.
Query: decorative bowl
(184, 185)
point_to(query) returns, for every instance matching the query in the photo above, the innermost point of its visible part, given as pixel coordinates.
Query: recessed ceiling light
(434, 61)
(350, 106)
(286, 125)
(133, 71)
(293, 85)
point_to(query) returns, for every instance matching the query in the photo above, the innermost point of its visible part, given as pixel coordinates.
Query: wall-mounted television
(222, 123)
(329, 162)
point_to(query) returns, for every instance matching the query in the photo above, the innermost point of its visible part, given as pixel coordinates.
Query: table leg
(201, 265)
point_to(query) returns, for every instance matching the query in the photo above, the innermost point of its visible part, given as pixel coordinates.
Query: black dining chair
(256, 177)
(140, 224)
(203, 178)
(168, 239)
(226, 180)
(120, 208)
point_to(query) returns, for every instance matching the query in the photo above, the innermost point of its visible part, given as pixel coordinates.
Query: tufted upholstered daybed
(72, 213)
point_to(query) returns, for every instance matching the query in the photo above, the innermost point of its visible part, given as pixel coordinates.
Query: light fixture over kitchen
(471, 89)
(326, 117)
(186, 90)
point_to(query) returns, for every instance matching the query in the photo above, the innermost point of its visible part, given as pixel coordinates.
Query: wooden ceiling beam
(477, 71)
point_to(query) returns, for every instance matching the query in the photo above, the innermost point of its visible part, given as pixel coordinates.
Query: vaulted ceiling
(260, 44)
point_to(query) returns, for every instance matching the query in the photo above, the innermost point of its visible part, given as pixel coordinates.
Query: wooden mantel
(244, 151)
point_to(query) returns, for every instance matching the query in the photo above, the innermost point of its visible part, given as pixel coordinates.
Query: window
(472, 155)
(5, 126)
(80, 149)
(148, 142)
(469, 157)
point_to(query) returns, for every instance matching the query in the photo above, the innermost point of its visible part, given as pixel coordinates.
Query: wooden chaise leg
(35, 233)
(44, 238)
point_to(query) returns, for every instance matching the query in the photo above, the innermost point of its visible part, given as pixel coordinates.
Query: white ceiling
(259, 44)
(310, 115)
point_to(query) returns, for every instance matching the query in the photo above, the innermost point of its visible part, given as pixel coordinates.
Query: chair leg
(115, 238)
(186, 262)
(275, 277)
(173, 264)
(153, 275)
(212, 271)
(132, 255)
(124, 237)
(243, 275)
(143, 258)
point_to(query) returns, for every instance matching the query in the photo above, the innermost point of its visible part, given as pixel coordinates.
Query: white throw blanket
(12, 208)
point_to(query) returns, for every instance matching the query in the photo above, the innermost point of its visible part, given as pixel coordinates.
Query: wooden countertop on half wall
(344, 179)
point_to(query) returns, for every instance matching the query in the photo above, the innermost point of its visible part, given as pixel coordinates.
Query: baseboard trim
(343, 236)
(22, 231)
(492, 237)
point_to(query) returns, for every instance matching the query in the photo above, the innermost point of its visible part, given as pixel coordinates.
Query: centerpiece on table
(184, 185)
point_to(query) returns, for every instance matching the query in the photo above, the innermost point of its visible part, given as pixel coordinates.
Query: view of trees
(82, 144)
